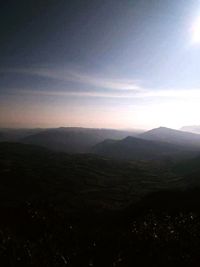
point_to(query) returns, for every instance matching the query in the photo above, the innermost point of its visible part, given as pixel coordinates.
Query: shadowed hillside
(30, 172)
(73, 140)
(132, 148)
(14, 135)
(84, 210)
(1, 137)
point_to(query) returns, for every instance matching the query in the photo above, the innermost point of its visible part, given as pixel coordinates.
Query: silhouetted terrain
(84, 210)
(13, 135)
(132, 148)
(177, 137)
(86, 140)
(73, 140)
(35, 173)
(94, 184)
(1, 137)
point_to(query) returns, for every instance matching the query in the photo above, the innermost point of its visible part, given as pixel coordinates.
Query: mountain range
(172, 136)
(72, 139)
(118, 144)
(154, 144)
(132, 148)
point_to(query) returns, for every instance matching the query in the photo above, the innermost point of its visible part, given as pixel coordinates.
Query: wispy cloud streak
(146, 94)
(79, 77)
(98, 86)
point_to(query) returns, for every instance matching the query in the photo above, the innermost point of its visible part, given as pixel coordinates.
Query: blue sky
(112, 64)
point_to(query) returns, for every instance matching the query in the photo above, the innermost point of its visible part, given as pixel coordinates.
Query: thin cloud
(144, 94)
(172, 93)
(81, 78)
(101, 86)
(76, 94)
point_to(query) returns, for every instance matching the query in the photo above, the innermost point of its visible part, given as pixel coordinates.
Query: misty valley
(99, 197)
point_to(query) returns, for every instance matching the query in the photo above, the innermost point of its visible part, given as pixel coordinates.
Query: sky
(100, 63)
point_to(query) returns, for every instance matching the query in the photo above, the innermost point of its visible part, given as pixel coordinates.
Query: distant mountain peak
(172, 136)
(162, 128)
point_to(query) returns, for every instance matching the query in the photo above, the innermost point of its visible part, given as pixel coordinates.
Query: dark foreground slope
(2, 137)
(61, 210)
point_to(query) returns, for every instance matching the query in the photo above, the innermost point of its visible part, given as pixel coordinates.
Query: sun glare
(196, 31)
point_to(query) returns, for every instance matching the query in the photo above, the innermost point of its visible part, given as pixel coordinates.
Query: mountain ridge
(172, 136)
(134, 148)
(73, 139)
